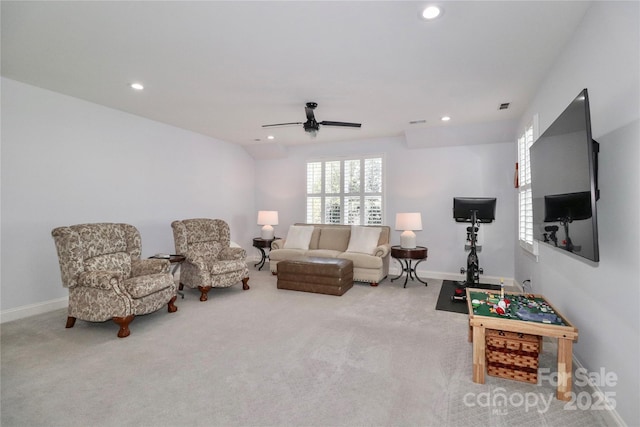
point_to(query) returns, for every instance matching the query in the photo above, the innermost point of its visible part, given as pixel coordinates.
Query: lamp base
(408, 239)
(267, 232)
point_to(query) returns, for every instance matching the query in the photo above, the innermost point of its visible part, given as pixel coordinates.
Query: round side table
(174, 260)
(405, 257)
(262, 244)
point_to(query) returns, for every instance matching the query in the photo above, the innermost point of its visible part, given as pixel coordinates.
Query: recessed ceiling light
(271, 137)
(431, 12)
(136, 86)
(445, 118)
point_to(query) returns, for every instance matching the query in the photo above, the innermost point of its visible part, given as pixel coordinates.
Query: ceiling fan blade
(282, 124)
(345, 124)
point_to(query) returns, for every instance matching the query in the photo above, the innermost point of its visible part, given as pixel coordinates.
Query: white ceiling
(224, 68)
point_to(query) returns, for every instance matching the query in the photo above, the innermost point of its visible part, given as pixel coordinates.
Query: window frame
(343, 195)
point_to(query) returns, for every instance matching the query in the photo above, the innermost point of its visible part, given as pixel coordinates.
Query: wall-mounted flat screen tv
(564, 182)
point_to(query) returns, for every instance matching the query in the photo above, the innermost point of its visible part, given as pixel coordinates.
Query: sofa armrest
(233, 253)
(100, 279)
(277, 244)
(143, 267)
(382, 250)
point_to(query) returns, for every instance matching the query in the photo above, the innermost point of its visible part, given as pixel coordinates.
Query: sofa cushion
(323, 253)
(119, 261)
(282, 254)
(362, 260)
(315, 237)
(298, 237)
(226, 266)
(105, 238)
(364, 239)
(334, 238)
(209, 250)
(141, 286)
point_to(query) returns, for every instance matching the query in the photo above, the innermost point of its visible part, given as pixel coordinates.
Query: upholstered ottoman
(332, 276)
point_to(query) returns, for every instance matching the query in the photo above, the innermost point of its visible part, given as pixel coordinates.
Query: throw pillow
(298, 237)
(364, 239)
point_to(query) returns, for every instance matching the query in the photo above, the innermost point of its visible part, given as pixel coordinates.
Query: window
(345, 191)
(525, 202)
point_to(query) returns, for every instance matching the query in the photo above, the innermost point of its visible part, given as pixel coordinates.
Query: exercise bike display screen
(484, 207)
(474, 210)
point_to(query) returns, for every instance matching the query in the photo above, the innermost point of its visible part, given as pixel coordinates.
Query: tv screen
(484, 207)
(564, 186)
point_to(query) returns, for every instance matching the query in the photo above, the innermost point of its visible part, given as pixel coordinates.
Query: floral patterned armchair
(101, 266)
(210, 261)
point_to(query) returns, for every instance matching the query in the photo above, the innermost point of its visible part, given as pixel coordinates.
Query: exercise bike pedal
(459, 298)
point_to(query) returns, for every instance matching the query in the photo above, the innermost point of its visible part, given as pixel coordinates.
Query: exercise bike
(474, 210)
(550, 235)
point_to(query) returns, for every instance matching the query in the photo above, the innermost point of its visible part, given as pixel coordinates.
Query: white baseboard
(33, 309)
(43, 307)
(598, 392)
(394, 270)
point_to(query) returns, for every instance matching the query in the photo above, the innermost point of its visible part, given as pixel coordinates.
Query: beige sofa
(332, 241)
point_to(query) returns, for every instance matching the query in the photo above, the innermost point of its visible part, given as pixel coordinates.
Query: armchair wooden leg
(204, 290)
(374, 284)
(70, 322)
(245, 283)
(171, 306)
(124, 325)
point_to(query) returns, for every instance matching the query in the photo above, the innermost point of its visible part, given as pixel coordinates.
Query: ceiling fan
(312, 125)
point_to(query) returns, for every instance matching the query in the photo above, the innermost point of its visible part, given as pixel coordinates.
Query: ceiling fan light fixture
(431, 12)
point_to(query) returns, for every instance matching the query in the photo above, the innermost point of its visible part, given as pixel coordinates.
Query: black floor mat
(444, 299)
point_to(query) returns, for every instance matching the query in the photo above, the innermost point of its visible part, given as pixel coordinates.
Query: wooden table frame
(565, 335)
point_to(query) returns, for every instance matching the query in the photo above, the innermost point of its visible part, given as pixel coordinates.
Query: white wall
(66, 161)
(602, 300)
(418, 180)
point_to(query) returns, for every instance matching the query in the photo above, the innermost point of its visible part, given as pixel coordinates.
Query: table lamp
(267, 219)
(408, 222)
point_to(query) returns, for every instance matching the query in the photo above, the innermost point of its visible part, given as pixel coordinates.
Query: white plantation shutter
(526, 217)
(314, 189)
(345, 191)
(525, 202)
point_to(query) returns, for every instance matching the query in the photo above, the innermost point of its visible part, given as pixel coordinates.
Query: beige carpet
(267, 357)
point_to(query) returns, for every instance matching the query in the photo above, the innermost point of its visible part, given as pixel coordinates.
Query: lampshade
(408, 222)
(267, 219)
